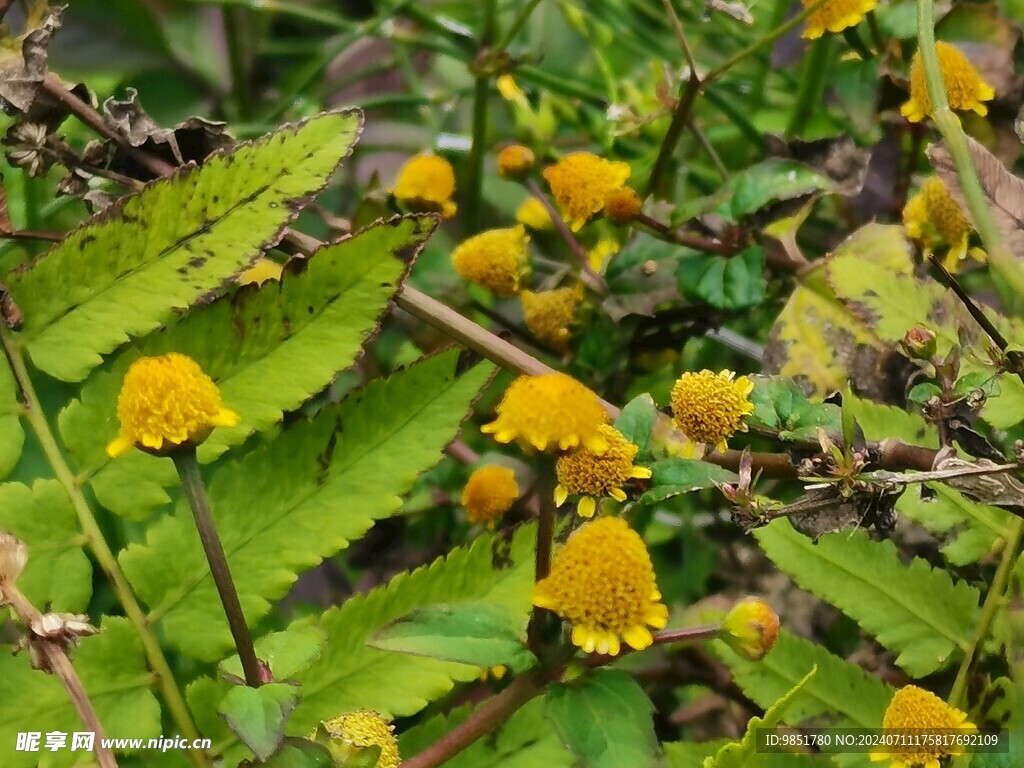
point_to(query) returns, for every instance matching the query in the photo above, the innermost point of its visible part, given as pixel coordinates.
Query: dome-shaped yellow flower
(351, 732)
(588, 474)
(602, 582)
(490, 492)
(934, 219)
(427, 182)
(515, 161)
(709, 407)
(622, 205)
(915, 708)
(495, 259)
(835, 16)
(167, 402)
(965, 90)
(551, 410)
(581, 183)
(534, 215)
(548, 314)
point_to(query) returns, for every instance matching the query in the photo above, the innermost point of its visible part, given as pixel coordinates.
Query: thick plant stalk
(187, 465)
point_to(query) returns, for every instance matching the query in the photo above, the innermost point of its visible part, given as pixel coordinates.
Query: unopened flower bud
(13, 556)
(515, 162)
(918, 343)
(751, 628)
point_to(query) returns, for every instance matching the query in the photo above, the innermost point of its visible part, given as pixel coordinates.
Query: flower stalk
(187, 464)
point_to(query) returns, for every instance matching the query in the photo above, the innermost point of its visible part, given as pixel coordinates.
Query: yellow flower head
(965, 90)
(264, 269)
(427, 182)
(548, 314)
(515, 162)
(622, 205)
(602, 582)
(709, 407)
(490, 492)
(835, 16)
(934, 219)
(590, 474)
(581, 182)
(534, 215)
(751, 628)
(495, 259)
(915, 708)
(167, 402)
(551, 410)
(351, 732)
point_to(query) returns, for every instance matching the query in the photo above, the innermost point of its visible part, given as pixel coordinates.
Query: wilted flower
(13, 557)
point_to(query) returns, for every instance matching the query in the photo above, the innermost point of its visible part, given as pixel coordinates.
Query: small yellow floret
(534, 215)
(496, 259)
(581, 183)
(549, 411)
(354, 731)
(167, 402)
(427, 182)
(934, 219)
(548, 314)
(590, 475)
(515, 162)
(751, 628)
(835, 16)
(709, 407)
(490, 492)
(602, 582)
(920, 710)
(965, 90)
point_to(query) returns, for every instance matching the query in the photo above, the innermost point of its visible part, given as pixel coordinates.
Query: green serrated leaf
(733, 283)
(318, 486)
(131, 268)
(469, 633)
(923, 392)
(674, 477)
(258, 716)
(113, 671)
(605, 719)
(58, 572)
(744, 754)
(636, 423)
(269, 350)
(915, 610)
(974, 528)
(527, 740)
(286, 653)
(781, 406)
(878, 422)
(12, 435)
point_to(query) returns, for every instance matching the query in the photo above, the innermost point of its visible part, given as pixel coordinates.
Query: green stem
(812, 86)
(481, 95)
(100, 549)
(517, 23)
(994, 600)
(1000, 259)
(187, 464)
(238, 31)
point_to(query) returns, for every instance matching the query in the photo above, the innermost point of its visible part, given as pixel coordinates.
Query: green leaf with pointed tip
(269, 349)
(286, 506)
(743, 753)
(112, 667)
(58, 572)
(286, 653)
(913, 609)
(470, 633)
(636, 423)
(496, 569)
(258, 716)
(605, 719)
(12, 436)
(129, 269)
(771, 181)
(674, 477)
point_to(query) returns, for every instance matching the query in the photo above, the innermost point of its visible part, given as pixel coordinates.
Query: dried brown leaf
(22, 73)
(1004, 190)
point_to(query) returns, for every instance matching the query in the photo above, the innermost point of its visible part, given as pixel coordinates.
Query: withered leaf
(1004, 190)
(22, 73)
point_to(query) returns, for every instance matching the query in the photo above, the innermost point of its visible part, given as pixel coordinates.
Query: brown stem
(461, 452)
(489, 716)
(592, 280)
(688, 239)
(57, 661)
(28, 234)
